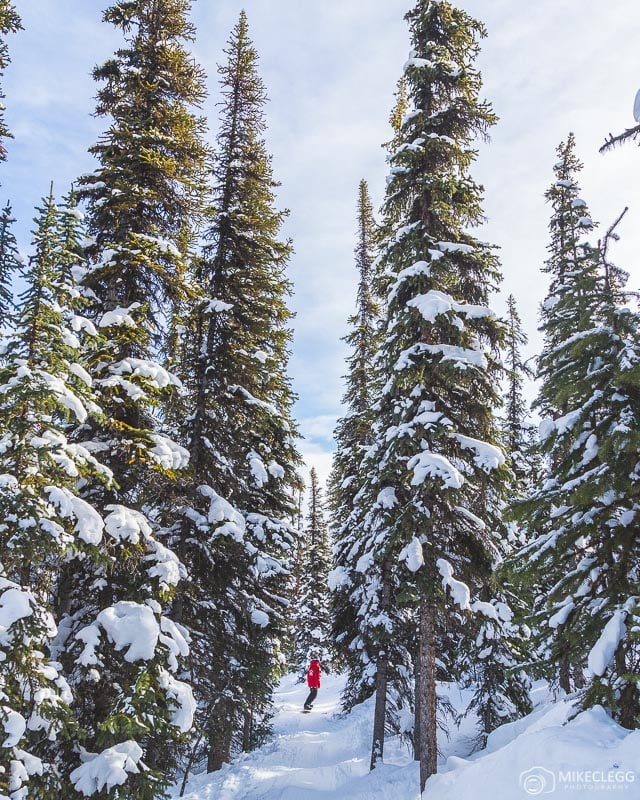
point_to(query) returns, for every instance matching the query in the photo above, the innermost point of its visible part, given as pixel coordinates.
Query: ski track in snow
(321, 756)
(318, 756)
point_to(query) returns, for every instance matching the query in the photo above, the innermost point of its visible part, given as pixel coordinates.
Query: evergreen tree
(435, 475)
(585, 554)
(312, 610)
(352, 436)
(239, 430)
(10, 263)
(40, 392)
(518, 435)
(493, 648)
(60, 553)
(9, 23)
(570, 223)
(147, 189)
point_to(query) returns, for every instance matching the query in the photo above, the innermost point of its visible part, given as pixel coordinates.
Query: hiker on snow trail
(313, 682)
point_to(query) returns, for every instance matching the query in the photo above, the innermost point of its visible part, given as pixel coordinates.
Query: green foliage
(9, 23)
(143, 202)
(583, 553)
(10, 263)
(235, 538)
(353, 435)
(431, 399)
(44, 390)
(517, 431)
(312, 610)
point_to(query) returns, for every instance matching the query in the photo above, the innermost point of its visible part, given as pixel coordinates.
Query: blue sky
(331, 69)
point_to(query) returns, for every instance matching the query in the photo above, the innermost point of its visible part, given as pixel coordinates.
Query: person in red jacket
(313, 682)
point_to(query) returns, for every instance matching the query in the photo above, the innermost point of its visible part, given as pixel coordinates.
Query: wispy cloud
(330, 69)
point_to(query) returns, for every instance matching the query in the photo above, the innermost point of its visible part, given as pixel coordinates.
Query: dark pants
(312, 696)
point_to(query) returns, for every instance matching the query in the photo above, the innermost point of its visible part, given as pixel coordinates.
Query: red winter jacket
(313, 675)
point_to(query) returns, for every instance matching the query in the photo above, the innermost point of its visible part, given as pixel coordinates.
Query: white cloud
(330, 70)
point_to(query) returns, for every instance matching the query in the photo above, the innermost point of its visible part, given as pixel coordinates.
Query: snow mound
(550, 754)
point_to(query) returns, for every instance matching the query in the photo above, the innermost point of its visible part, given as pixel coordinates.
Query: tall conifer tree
(312, 609)
(240, 431)
(435, 468)
(352, 437)
(585, 554)
(517, 430)
(10, 263)
(40, 392)
(148, 188)
(9, 23)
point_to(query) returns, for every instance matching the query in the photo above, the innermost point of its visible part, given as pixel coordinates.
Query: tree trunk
(62, 600)
(380, 713)
(427, 698)
(247, 731)
(578, 677)
(564, 674)
(382, 670)
(416, 706)
(629, 703)
(219, 739)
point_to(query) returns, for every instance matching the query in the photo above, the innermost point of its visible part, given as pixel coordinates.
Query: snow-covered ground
(320, 756)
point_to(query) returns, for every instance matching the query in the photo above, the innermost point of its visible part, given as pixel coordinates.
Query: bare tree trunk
(427, 698)
(63, 591)
(382, 671)
(564, 674)
(193, 755)
(416, 706)
(629, 697)
(380, 713)
(219, 740)
(578, 677)
(247, 730)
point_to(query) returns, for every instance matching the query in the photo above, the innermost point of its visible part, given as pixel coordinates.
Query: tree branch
(612, 141)
(611, 231)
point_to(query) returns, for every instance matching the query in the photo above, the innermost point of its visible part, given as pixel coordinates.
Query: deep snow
(321, 756)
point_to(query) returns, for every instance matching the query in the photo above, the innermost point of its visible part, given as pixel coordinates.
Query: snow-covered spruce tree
(9, 23)
(355, 581)
(492, 649)
(10, 263)
(353, 430)
(496, 642)
(436, 476)
(239, 431)
(312, 609)
(49, 528)
(517, 430)
(569, 252)
(352, 436)
(41, 388)
(147, 189)
(519, 440)
(585, 555)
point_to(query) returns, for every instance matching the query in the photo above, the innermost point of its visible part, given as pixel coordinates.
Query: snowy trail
(319, 756)
(311, 757)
